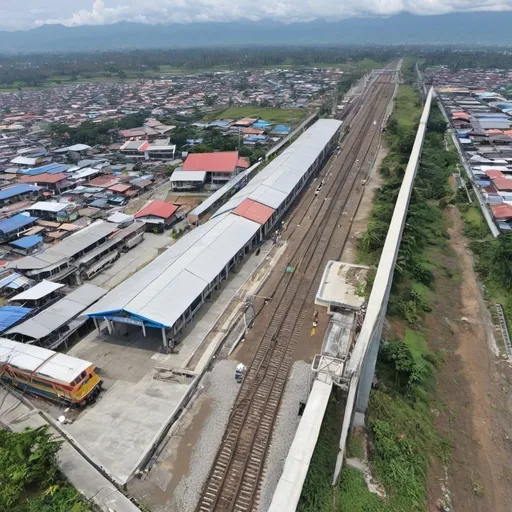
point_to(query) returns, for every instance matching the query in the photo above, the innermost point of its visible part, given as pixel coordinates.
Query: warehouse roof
(253, 210)
(224, 161)
(68, 248)
(18, 221)
(163, 290)
(6, 193)
(9, 315)
(38, 291)
(59, 313)
(272, 185)
(157, 208)
(45, 363)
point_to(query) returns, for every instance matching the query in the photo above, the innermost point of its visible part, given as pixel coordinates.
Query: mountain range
(475, 28)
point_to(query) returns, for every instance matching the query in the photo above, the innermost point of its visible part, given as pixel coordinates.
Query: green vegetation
(29, 476)
(92, 133)
(492, 255)
(286, 116)
(400, 424)
(44, 70)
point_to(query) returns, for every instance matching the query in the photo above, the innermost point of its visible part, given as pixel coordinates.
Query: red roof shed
(157, 209)
(254, 211)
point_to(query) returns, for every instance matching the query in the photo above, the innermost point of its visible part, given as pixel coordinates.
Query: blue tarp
(6, 193)
(50, 169)
(13, 223)
(9, 315)
(26, 242)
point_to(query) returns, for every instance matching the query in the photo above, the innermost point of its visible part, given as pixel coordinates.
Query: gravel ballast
(222, 389)
(296, 391)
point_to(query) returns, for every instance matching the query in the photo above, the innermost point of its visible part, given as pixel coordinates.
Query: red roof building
(159, 209)
(503, 184)
(220, 167)
(502, 211)
(494, 174)
(44, 178)
(254, 211)
(120, 188)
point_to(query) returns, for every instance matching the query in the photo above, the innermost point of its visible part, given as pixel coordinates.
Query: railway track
(234, 480)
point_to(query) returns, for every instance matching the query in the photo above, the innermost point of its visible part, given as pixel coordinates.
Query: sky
(28, 14)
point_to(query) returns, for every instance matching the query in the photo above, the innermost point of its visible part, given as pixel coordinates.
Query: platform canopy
(161, 292)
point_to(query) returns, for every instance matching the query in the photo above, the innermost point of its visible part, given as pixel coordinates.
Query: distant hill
(471, 28)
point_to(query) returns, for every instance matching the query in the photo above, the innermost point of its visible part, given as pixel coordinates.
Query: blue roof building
(10, 315)
(14, 226)
(17, 191)
(50, 169)
(281, 129)
(27, 244)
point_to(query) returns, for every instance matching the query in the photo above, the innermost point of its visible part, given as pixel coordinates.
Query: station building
(166, 293)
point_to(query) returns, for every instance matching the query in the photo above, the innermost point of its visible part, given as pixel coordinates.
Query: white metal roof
(38, 291)
(188, 176)
(275, 182)
(59, 313)
(68, 248)
(48, 206)
(48, 363)
(119, 218)
(84, 173)
(163, 290)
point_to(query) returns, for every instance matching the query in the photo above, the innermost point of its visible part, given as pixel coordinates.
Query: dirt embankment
(474, 410)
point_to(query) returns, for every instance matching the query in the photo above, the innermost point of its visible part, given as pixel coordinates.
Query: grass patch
(273, 115)
(406, 110)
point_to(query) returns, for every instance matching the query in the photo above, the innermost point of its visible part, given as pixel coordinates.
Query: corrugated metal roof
(199, 176)
(38, 291)
(223, 161)
(255, 211)
(60, 313)
(9, 315)
(274, 183)
(68, 248)
(163, 290)
(27, 241)
(47, 362)
(6, 193)
(16, 222)
(48, 206)
(157, 208)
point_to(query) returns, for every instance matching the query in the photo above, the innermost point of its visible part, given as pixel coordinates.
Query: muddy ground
(474, 409)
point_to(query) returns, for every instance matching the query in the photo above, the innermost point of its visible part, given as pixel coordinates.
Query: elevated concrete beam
(361, 367)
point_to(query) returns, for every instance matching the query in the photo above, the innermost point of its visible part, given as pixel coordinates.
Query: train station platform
(289, 488)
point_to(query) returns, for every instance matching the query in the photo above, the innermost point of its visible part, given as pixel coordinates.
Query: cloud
(103, 12)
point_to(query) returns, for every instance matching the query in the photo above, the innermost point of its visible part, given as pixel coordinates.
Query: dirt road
(474, 389)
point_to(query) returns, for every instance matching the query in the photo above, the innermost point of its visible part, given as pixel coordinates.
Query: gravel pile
(221, 386)
(297, 390)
